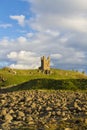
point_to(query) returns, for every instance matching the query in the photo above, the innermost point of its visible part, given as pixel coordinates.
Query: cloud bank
(24, 60)
(59, 30)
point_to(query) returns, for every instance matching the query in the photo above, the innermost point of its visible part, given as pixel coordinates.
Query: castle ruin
(45, 64)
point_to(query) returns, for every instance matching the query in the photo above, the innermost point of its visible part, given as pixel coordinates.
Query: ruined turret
(45, 64)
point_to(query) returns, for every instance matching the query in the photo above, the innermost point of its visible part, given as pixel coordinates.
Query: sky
(30, 29)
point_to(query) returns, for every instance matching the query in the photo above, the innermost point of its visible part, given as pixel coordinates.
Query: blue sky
(30, 29)
(12, 7)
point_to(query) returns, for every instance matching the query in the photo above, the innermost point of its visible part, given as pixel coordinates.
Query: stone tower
(45, 64)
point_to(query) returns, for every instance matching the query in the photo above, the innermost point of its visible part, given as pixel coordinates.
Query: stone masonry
(45, 64)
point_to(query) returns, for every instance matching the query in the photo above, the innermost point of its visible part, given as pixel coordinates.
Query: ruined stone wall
(45, 63)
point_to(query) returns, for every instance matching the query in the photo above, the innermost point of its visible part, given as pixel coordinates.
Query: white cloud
(20, 66)
(53, 33)
(26, 53)
(21, 39)
(24, 60)
(59, 14)
(59, 6)
(56, 56)
(73, 23)
(12, 55)
(5, 25)
(74, 57)
(19, 18)
(63, 39)
(55, 21)
(29, 35)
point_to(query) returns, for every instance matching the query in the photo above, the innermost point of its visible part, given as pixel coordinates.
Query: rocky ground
(43, 110)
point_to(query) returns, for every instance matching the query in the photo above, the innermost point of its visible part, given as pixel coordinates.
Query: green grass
(32, 79)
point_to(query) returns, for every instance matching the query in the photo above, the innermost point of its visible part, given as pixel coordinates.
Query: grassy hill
(33, 79)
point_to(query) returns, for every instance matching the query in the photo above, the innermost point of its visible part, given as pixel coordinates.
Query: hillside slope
(33, 79)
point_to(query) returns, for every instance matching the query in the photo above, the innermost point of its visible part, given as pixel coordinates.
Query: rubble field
(43, 110)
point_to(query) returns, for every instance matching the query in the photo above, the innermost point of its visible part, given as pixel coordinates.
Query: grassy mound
(13, 80)
(68, 84)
